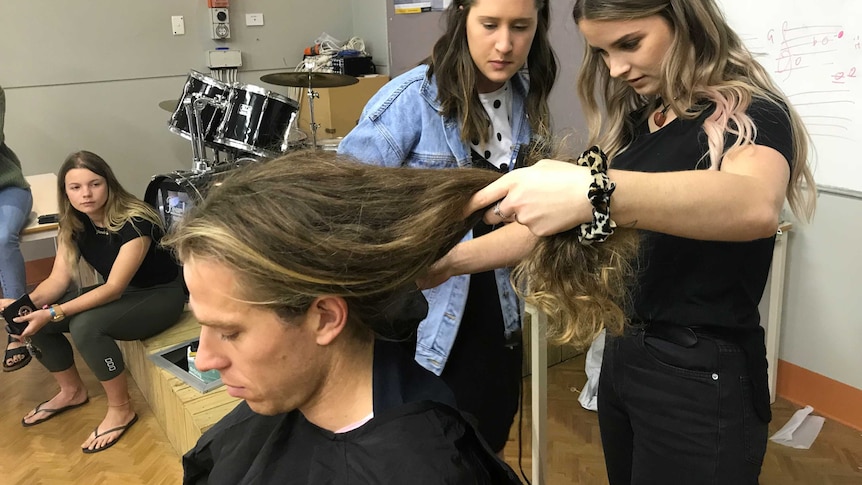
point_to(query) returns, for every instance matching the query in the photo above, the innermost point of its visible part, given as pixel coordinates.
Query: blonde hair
(311, 224)
(706, 61)
(120, 207)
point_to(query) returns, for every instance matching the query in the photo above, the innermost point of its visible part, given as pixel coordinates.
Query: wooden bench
(184, 412)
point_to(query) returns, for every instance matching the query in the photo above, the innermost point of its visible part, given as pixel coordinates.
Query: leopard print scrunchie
(599, 194)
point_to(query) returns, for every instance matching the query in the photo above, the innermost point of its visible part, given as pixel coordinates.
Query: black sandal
(12, 353)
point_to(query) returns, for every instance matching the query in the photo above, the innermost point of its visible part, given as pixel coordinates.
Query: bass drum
(200, 85)
(257, 121)
(174, 194)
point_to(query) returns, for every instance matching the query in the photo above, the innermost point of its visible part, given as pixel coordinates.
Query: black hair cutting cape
(416, 437)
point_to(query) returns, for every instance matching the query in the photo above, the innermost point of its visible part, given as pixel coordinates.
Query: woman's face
(500, 33)
(87, 192)
(633, 50)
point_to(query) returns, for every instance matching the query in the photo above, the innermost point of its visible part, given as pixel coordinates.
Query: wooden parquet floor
(575, 455)
(48, 454)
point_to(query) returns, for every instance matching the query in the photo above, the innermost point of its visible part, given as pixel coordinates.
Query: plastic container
(208, 376)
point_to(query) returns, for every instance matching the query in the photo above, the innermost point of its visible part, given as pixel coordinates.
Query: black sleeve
(773, 126)
(137, 227)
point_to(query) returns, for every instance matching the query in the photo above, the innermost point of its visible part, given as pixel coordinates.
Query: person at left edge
(16, 200)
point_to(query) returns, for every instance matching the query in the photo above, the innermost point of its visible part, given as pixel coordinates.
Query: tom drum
(257, 121)
(200, 85)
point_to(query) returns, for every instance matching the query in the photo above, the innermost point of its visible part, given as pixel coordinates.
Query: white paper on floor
(801, 431)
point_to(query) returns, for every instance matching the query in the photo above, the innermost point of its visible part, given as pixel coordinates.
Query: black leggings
(138, 314)
(483, 371)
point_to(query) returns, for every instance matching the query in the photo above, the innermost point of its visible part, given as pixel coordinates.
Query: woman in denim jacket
(470, 105)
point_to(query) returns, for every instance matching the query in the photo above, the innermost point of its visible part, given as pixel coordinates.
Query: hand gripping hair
(310, 224)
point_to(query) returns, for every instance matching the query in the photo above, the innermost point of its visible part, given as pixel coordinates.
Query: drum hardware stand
(200, 164)
(285, 142)
(314, 126)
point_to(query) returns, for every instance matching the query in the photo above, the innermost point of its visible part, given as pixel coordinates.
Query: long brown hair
(706, 61)
(120, 207)
(457, 76)
(311, 224)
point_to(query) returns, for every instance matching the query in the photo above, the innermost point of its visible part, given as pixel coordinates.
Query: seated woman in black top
(118, 235)
(302, 273)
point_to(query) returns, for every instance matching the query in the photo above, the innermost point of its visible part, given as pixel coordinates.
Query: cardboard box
(337, 110)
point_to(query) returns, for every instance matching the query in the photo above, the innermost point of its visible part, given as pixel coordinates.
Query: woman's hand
(437, 274)
(35, 321)
(548, 197)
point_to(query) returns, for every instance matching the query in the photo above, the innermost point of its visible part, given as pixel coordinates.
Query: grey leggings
(139, 313)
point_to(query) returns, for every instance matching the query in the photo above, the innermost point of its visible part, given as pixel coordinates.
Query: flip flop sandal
(51, 412)
(122, 429)
(11, 354)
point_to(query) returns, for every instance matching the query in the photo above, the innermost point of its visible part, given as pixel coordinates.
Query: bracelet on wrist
(599, 194)
(56, 312)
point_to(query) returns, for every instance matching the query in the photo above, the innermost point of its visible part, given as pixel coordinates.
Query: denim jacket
(402, 126)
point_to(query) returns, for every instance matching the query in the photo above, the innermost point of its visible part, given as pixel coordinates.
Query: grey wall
(89, 74)
(822, 314)
(411, 37)
(369, 22)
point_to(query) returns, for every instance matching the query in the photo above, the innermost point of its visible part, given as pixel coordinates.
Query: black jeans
(675, 415)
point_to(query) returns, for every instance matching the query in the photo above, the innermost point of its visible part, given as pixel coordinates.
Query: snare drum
(198, 85)
(257, 121)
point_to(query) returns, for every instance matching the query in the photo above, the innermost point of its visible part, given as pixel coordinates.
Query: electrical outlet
(253, 19)
(178, 25)
(220, 31)
(220, 15)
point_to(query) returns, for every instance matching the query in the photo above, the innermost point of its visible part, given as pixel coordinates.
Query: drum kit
(241, 122)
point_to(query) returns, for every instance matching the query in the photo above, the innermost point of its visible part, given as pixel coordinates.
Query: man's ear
(329, 318)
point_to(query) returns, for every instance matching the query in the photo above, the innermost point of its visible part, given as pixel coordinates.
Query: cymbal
(169, 105)
(302, 79)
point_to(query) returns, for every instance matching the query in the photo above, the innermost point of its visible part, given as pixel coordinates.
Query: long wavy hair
(311, 224)
(457, 75)
(706, 61)
(582, 289)
(120, 207)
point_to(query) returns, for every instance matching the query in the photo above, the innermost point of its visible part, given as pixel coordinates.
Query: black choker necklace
(661, 116)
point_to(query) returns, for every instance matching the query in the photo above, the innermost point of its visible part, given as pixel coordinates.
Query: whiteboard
(813, 50)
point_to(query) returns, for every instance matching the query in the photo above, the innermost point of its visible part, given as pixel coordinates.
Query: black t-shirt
(100, 248)
(686, 281)
(415, 437)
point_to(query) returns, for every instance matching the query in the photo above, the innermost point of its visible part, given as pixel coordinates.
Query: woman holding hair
(15, 204)
(302, 273)
(479, 100)
(118, 235)
(703, 150)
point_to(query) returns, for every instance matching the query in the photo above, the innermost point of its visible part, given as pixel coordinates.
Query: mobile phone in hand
(20, 307)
